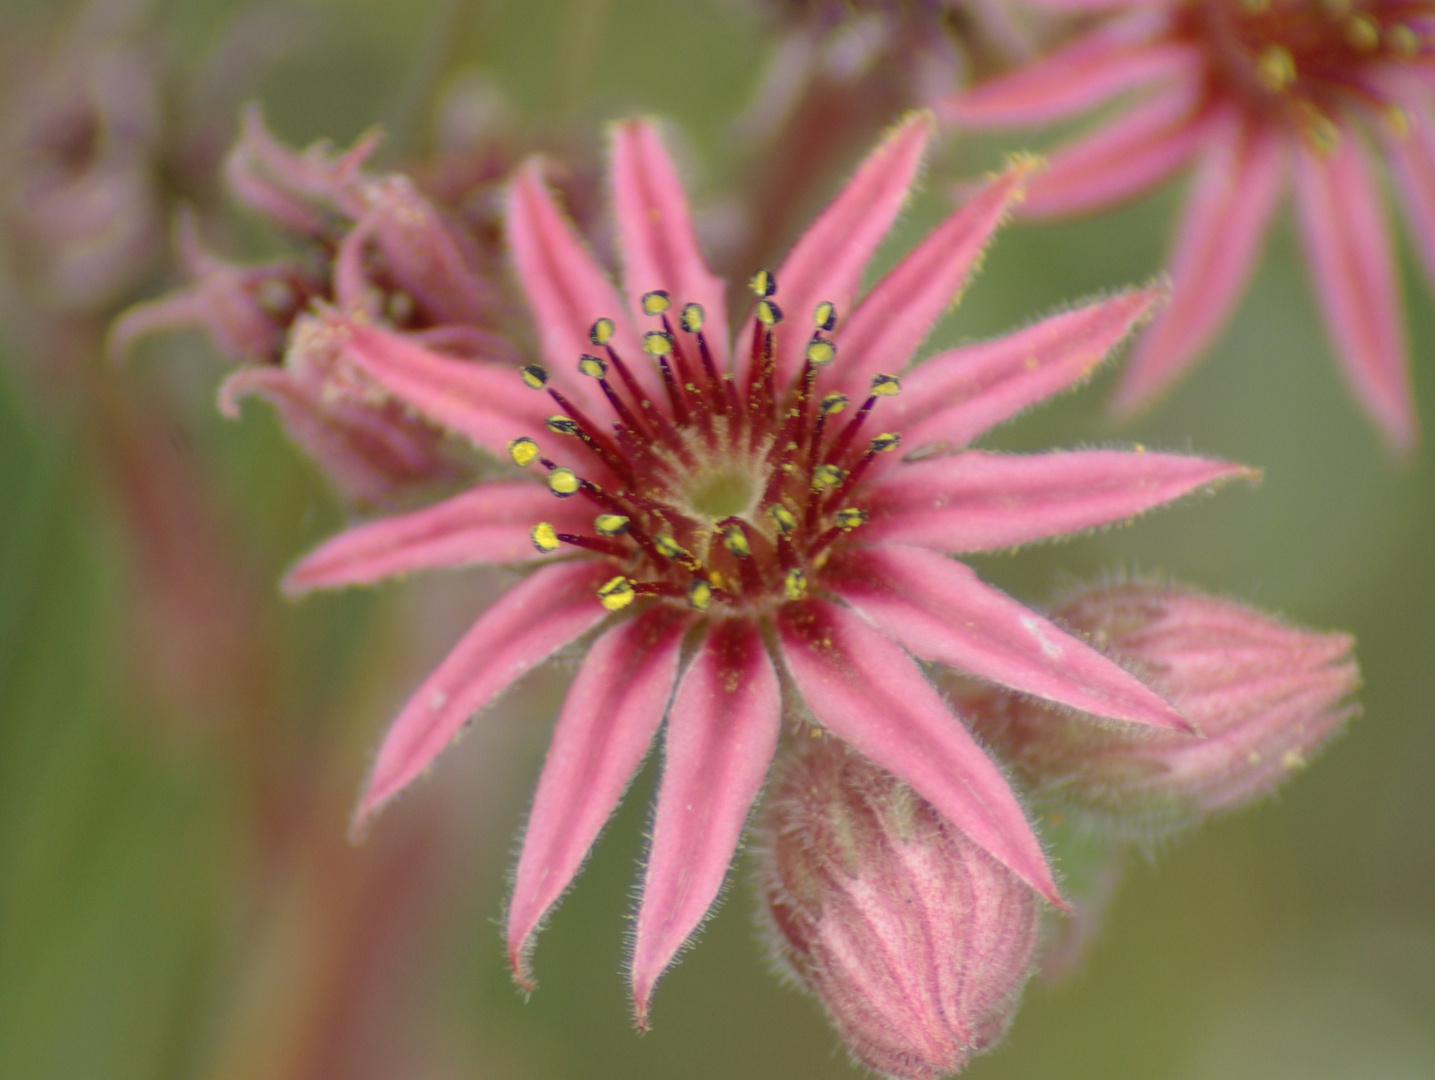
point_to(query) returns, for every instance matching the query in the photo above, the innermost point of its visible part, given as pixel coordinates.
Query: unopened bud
(1262, 694)
(914, 938)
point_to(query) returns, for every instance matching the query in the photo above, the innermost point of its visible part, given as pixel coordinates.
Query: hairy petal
(980, 501)
(1114, 58)
(487, 403)
(1130, 154)
(565, 286)
(1223, 229)
(827, 262)
(609, 717)
(526, 626)
(958, 395)
(863, 688)
(940, 610)
(659, 244)
(896, 316)
(721, 736)
(490, 523)
(1348, 247)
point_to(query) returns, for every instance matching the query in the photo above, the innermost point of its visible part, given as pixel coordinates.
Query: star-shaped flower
(755, 526)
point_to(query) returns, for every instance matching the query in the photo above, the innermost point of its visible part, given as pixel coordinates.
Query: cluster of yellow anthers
(728, 488)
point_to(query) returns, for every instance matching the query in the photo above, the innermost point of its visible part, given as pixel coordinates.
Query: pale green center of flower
(730, 492)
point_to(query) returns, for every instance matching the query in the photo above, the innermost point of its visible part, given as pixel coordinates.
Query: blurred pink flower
(1264, 694)
(917, 942)
(717, 494)
(1252, 91)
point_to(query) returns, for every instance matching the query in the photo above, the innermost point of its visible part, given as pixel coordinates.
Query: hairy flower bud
(915, 939)
(1263, 695)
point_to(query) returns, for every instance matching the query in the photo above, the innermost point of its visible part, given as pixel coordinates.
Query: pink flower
(916, 940)
(1252, 91)
(1265, 696)
(736, 520)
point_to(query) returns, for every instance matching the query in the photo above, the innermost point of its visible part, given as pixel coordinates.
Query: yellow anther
(656, 302)
(700, 594)
(849, 517)
(768, 313)
(833, 404)
(1319, 130)
(523, 451)
(1362, 32)
(886, 385)
(545, 537)
(610, 524)
(692, 318)
(592, 366)
(1275, 67)
(1402, 41)
(617, 593)
(601, 332)
(1255, 7)
(670, 548)
(564, 482)
(657, 343)
(888, 440)
(1398, 120)
(785, 519)
(535, 376)
(826, 476)
(821, 352)
(794, 583)
(824, 315)
(763, 283)
(735, 540)
(561, 425)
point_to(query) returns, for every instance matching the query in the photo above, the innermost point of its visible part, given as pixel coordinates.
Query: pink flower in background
(1255, 93)
(744, 518)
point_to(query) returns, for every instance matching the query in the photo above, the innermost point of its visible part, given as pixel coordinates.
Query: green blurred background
(177, 898)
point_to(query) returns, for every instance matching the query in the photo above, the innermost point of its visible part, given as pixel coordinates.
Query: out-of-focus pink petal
(896, 316)
(609, 717)
(826, 264)
(1412, 159)
(567, 289)
(489, 523)
(978, 501)
(960, 394)
(721, 736)
(1234, 196)
(1120, 159)
(1348, 246)
(527, 625)
(488, 403)
(864, 689)
(940, 610)
(659, 245)
(1114, 58)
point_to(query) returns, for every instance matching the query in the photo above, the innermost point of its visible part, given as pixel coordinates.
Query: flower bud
(914, 938)
(1263, 696)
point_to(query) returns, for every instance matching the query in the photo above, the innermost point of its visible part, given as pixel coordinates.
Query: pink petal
(895, 317)
(1349, 251)
(958, 395)
(827, 262)
(1222, 231)
(721, 736)
(1120, 159)
(608, 721)
(488, 403)
(659, 244)
(566, 287)
(490, 523)
(940, 610)
(978, 501)
(527, 625)
(1412, 160)
(865, 690)
(1114, 58)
